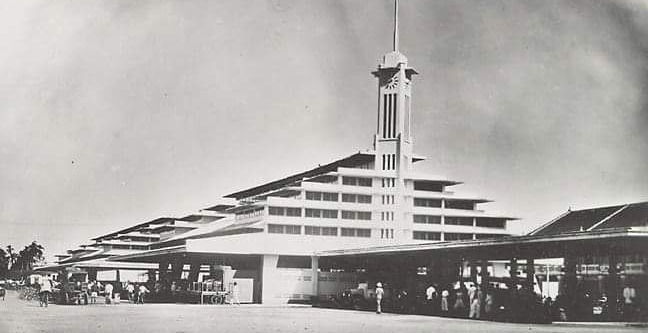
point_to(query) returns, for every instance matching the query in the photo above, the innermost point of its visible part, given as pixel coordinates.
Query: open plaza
(19, 316)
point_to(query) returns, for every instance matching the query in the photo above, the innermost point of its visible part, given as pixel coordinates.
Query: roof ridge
(607, 218)
(540, 228)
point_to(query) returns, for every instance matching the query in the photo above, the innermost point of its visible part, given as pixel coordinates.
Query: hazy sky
(117, 112)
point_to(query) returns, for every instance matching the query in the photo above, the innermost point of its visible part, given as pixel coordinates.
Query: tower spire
(395, 25)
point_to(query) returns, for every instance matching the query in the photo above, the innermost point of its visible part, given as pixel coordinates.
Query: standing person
(430, 296)
(108, 289)
(380, 292)
(474, 294)
(489, 304)
(459, 305)
(130, 288)
(142, 290)
(444, 302)
(235, 294)
(94, 292)
(45, 290)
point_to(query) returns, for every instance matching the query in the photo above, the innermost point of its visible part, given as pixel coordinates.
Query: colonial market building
(370, 216)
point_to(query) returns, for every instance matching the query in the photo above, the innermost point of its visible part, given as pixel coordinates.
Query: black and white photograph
(323, 166)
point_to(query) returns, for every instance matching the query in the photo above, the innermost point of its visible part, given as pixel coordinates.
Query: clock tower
(393, 139)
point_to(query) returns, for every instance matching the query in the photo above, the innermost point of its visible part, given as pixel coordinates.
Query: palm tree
(12, 256)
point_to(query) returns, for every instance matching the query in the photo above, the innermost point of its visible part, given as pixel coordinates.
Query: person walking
(444, 302)
(459, 305)
(94, 292)
(141, 292)
(130, 289)
(108, 289)
(474, 294)
(45, 290)
(380, 292)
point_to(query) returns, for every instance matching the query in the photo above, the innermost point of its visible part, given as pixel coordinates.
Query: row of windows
(422, 202)
(486, 222)
(359, 198)
(318, 231)
(389, 182)
(284, 229)
(449, 236)
(389, 115)
(429, 219)
(389, 161)
(458, 220)
(284, 211)
(387, 233)
(356, 181)
(386, 216)
(388, 200)
(355, 232)
(325, 196)
(353, 215)
(324, 213)
(249, 213)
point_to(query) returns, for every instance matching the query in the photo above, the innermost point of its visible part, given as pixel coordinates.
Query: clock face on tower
(393, 82)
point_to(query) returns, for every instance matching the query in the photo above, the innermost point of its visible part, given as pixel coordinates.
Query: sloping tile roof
(634, 215)
(577, 220)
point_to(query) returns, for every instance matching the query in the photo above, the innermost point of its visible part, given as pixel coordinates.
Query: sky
(114, 113)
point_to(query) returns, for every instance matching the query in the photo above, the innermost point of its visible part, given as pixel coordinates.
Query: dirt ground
(22, 316)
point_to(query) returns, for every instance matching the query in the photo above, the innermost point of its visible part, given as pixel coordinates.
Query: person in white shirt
(108, 289)
(130, 288)
(380, 292)
(142, 290)
(45, 290)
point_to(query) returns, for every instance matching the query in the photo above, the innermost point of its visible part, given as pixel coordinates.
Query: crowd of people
(135, 293)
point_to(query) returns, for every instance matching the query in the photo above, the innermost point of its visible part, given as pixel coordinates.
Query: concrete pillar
(484, 273)
(163, 268)
(92, 275)
(530, 271)
(270, 281)
(176, 270)
(117, 276)
(315, 272)
(194, 271)
(151, 275)
(513, 271)
(611, 287)
(473, 271)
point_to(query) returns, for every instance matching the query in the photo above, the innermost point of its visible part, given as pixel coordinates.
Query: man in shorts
(380, 292)
(45, 290)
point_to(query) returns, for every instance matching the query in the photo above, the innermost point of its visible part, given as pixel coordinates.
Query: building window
(326, 196)
(312, 230)
(427, 186)
(353, 215)
(276, 211)
(491, 236)
(389, 182)
(460, 204)
(355, 232)
(429, 219)
(458, 220)
(284, 211)
(450, 236)
(359, 198)
(387, 233)
(421, 202)
(324, 213)
(293, 229)
(426, 235)
(275, 228)
(491, 222)
(329, 231)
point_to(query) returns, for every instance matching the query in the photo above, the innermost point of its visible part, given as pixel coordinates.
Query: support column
(194, 271)
(176, 270)
(315, 281)
(117, 276)
(270, 280)
(92, 275)
(530, 271)
(569, 285)
(484, 273)
(611, 286)
(473, 271)
(163, 269)
(513, 272)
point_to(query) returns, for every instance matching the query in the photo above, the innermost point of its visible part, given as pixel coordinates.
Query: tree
(28, 256)
(4, 263)
(12, 256)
